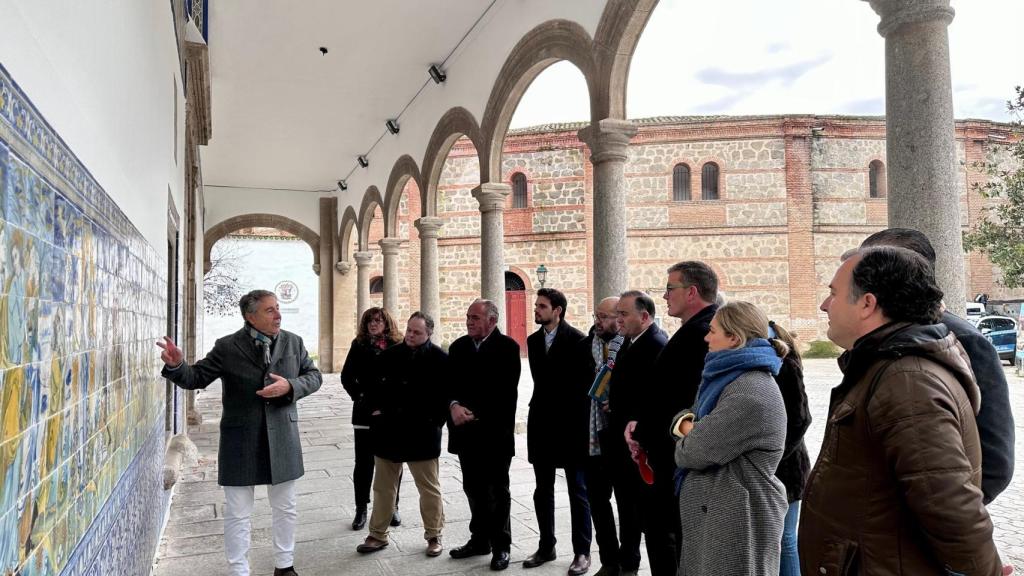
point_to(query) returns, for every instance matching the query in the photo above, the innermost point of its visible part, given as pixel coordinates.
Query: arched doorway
(515, 309)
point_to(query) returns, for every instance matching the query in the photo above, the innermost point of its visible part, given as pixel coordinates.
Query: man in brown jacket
(897, 485)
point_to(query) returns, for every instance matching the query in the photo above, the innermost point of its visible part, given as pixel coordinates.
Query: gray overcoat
(731, 504)
(251, 426)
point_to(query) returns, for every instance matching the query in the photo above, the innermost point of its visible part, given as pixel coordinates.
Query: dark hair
(391, 332)
(247, 304)
(785, 337)
(427, 320)
(556, 298)
(902, 281)
(699, 274)
(902, 238)
(641, 301)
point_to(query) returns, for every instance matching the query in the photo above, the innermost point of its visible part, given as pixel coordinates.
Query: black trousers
(362, 475)
(627, 485)
(485, 481)
(661, 523)
(579, 507)
(598, 476)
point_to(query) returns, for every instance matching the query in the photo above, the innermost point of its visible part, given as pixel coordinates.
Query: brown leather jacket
(897, 485)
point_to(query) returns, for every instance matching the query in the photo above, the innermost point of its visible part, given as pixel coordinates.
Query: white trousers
(238, 504)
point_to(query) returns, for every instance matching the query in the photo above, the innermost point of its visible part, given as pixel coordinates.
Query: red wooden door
(515, 317)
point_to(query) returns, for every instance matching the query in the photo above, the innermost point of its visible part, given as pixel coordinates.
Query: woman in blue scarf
(731, 504)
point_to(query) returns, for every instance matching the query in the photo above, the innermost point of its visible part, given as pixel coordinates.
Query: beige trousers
(386, 476)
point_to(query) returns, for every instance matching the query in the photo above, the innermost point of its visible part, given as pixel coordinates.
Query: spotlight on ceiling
(342, 185)
(437, 75)
(363, 161)
(392, 126)
(323, 51)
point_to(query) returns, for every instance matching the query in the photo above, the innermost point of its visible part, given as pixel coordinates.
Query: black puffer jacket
(795, 464)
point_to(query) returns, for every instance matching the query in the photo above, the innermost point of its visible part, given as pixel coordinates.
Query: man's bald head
(604, 318)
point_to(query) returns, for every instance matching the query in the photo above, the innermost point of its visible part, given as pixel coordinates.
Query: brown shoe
(579, 565)
(371, 545)
(434, 547)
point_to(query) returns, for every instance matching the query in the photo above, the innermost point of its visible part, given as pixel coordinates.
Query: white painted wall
(103, 75)
(226, 202)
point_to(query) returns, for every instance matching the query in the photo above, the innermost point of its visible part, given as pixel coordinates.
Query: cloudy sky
(814, 56)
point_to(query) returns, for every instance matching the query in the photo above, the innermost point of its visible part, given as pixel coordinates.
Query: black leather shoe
(290, 571)
(469, 549)
(580, 565)
(499, 561)
(359, 522)
(396, 518)
(539, 557)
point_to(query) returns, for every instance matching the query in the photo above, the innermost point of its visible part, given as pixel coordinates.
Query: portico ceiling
(287, 117)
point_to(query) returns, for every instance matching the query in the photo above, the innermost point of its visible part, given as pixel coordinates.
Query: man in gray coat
(264, 372)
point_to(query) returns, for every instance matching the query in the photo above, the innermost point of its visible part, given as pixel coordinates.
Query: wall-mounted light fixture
(436, 74)
(342, 185)
(392, 126)
(542, 274)
(363, 161)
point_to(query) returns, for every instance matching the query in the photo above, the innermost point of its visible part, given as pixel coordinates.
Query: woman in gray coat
(731, 504)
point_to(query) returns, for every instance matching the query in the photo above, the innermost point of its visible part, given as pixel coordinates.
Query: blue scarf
(720, 369)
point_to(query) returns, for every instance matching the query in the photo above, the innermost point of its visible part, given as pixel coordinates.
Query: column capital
(608, 139)
(896, 13)
(343, 267)
(363, 258)
(429, 226)
(491, 195)
(390, 246)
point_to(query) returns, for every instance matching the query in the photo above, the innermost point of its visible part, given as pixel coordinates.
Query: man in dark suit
(633, 373)
(484, 381)
(407, 410)
(264, 371)
(556, 429)
(690, 293)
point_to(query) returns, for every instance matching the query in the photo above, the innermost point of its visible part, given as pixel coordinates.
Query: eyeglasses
(376, 320)
(604, 317)
(670, 286)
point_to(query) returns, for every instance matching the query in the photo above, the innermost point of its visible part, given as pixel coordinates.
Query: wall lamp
(363, 161)
(436, 74)
(392, 126)
(342, 185)
(542, 274)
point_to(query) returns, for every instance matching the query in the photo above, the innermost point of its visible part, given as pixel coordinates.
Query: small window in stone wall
(709, 181)
(681, 183)
(519, 190)
(876, 179)
(377, 285)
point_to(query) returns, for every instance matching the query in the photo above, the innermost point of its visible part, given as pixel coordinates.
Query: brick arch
(527, 280)
(371, 200)
(455, 123)
(349, 222)
(405, 168)
(550, 42)
(279, 222)
(615, 40)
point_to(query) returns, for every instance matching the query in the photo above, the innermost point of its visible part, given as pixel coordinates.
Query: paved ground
(193, 541)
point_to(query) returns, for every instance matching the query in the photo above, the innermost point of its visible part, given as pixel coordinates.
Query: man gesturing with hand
(264, 371)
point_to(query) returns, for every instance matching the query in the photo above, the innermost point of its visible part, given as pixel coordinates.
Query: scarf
(262, 341)
(604, 357)
(720, 369)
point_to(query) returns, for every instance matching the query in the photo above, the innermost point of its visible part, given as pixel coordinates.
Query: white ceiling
(287, 117)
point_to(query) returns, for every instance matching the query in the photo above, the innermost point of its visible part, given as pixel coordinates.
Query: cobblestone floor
(193, 541)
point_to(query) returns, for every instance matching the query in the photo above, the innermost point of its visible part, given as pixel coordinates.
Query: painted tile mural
(81, 401)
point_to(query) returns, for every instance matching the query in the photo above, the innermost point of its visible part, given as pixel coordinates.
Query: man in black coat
(633, 374)
(556, 429)
(483, 388)
(690, 293)
(407, 411)
(994, 419)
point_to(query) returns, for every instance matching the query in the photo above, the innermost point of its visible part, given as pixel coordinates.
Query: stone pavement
(193, 539)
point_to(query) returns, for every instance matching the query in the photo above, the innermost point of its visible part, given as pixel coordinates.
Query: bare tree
(221, 292)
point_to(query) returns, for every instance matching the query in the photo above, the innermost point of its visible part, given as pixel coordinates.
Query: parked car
(975, 310)
(1002, 332)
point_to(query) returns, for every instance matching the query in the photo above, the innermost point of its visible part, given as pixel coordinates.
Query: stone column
(430, 294)
(344, 312)
(491, 196)
(921, 142)
(363, 260)
(328, 225)
(389, 249)
(608, 141)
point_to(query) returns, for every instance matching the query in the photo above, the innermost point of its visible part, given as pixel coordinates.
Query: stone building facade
(792, 193)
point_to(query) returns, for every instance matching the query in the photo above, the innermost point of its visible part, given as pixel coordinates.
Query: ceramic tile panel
(82, 299)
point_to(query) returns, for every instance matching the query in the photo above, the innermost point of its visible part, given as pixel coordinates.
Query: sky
(813, 57)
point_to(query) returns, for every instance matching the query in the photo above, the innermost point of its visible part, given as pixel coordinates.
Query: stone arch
(236, 223)
(404, 169)
(371, 200)
(527, 281)
(550, 42)
(615, 40)
(455, 123)
(349, 222)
